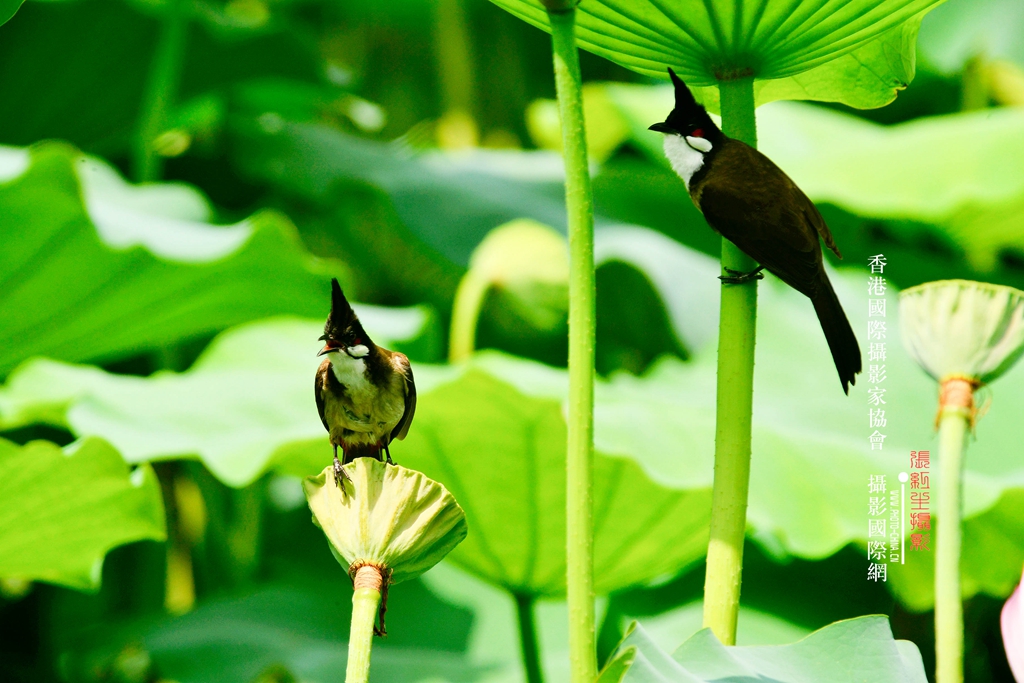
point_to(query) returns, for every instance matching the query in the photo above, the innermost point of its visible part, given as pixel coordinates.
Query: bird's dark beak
(330, 346)
(661, 127)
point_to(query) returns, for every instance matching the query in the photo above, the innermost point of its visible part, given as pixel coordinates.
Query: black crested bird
(749, 200)
(365, 394)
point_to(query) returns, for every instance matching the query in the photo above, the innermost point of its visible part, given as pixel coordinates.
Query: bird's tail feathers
(840, 337)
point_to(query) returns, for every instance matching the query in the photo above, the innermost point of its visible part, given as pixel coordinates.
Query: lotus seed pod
(962, 329)
(390, 517)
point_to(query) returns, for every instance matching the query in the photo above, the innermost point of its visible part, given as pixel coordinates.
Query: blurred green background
(179, 179)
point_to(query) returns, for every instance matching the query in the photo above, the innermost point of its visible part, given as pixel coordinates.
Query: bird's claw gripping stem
(340, 475)
(738, 277)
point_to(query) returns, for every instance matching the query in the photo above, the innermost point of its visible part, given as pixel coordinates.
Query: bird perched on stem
(364, 393)
(752, 203)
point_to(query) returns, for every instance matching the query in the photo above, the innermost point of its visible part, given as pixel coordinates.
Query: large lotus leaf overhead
(859, 52)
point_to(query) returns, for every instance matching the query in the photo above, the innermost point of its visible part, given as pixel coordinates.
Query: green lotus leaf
(848, 651)
(957, 327)
(903, 171)
(502, 452)
(959, 31)
(242, 413)
(859, 53)
(993, 543)
(667, 628)
(476, 190)
(247, 412)
(388, 516)
(635, 324)
(8, 8)
(96, 269)
(64, 509)
(291, 625)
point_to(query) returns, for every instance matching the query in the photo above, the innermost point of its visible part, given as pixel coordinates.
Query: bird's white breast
(685, 159)
(352, 373)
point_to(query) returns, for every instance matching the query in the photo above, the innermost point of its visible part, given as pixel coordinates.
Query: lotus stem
(528, 638)
(580, 457)
(455, 65)
(949, 615)
(734, 407)
(161, 88)
(365, 603)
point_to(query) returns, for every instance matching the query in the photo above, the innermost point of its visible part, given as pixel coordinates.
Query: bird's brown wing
(318, 389)
(402, 428)
(813, 217)
(743, 202)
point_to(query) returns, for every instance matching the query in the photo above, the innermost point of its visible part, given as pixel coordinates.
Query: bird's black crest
(684, 98)
(689, 115)
(342, 322)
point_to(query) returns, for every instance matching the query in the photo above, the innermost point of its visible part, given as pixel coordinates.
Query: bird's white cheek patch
(685, 160)
(358, 351)
(699, 143)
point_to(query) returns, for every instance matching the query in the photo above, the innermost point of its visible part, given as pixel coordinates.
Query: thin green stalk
(365, 602)
(179, 583)
(949, 615)
(229, 552)
(974, 84)
(735, 397)
(245, 529)
(453, 48)
(469, 297)
(580, 458)
(528, 638)
(161, 87)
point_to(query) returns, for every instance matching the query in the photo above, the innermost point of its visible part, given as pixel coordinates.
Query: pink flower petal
(1012, 622)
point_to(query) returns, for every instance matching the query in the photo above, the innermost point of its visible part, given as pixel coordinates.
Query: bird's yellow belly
(362, 422)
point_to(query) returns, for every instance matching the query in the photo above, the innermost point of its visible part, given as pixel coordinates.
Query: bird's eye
(697, 133)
